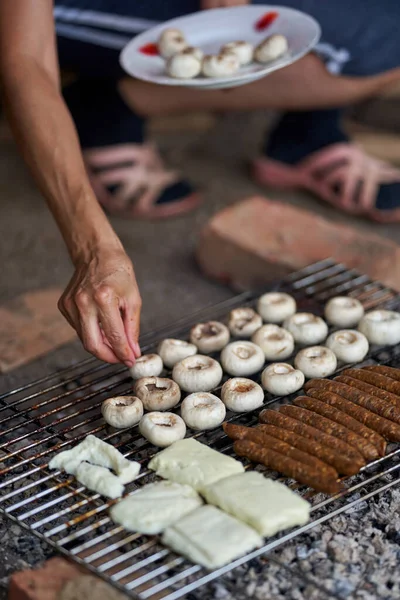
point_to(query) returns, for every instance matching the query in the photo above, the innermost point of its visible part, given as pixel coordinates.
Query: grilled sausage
(384, 370)
(341, 463)
(338, 416)
(388, 429)
(239, 432)
(287, 466)
(381, 381)
(274, 417)
(369, 389)
(375, 405)
(365, 448)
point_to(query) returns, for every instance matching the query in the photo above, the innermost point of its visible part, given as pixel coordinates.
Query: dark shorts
(359, 37)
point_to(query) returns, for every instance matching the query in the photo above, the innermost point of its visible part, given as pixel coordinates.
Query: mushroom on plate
(122, 411)
(243, 50)
(274, 341)
(275, 307)
(162, 428)
(316, 361)
(157, 393)
(306, 328)
(202, 410)
(209, 337)
(244, 321)
(381, 327)
(348, 345)
(170, 42)
(172, 351)
(281, 379)
(184, 65)
(221, 65)
(343, 311)
(197, 373)
(148, 365)
(271, 48)
(242, 358)
(242, 395)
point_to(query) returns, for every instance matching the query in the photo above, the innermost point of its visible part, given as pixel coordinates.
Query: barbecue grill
(57, 411)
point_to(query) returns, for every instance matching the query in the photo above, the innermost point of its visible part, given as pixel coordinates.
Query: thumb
(131, 320)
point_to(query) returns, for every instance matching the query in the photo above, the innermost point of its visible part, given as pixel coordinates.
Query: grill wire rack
(58, 411)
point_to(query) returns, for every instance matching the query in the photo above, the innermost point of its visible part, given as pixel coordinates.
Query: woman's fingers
(131, 318)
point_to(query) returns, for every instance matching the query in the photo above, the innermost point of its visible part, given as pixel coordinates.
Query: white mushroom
(197, 373)
(348, 345)
(243, 50)
(306, 328)
(157, 393)
(381, 327)
(343, 311)
(202, 410)
(162, 428)
(275, 342)
(195, 52)
(209, 337)
(242, 358)
(271, 48)
(244, 321)
(170, 42)
(242, 395)
(282, 379)
(275, 307)
(122, 411)
(221, 65)
(172, 351)
(316, 361)
(183, 65)
(148, 365)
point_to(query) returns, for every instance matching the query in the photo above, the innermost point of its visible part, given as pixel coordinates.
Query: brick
(258, 240)
(30, 326)
(44, 583)
(89, 588)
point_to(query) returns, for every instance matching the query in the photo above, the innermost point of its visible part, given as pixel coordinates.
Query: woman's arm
(102, 301)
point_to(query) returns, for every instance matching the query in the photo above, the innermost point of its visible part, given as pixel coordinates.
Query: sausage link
(239, 432)
(287, 466)
(375, 405)
(384, 370)
(339, 462)
(372, 390)
(381, 381)
(273, 417)
(367, 450)
(332, 396)
(343, 419)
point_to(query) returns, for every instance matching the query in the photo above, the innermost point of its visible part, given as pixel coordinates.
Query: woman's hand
(206, 4)
(102, 303)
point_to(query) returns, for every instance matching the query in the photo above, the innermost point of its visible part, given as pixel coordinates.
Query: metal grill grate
(55, 412)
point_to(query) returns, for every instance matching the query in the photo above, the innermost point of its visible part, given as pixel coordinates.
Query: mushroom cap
(242, 395)
(281, 379)
(316, 361)
(243, 50)
(148, 365)
(275, 307)
(271, 48)
(162, 428)
(197, 373)
(343, 311)
(122, 411)
(244, 321)
(381, 327)
(274, 341)
(170, 42)
(221, 65)
(183, 65)
(348, 345)
(306, 328)
(242, 358)
(209, 337)
(172, 351)
(193, 51)
(202, 411)
(157, 393)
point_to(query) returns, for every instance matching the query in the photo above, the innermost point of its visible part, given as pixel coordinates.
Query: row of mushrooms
(199, 374)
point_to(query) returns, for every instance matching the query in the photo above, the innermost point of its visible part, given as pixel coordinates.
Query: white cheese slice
(266, 505)
(93, 450)
(155, 506)
(211, 538)
(100, 480)
(192, 463)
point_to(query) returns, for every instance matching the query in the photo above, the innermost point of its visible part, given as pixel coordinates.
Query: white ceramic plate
(210, 29)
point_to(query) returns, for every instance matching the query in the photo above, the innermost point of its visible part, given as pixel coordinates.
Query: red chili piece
(266, 20)
(149, 50)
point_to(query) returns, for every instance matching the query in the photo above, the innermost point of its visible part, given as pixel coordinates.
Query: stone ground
(33, 256)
